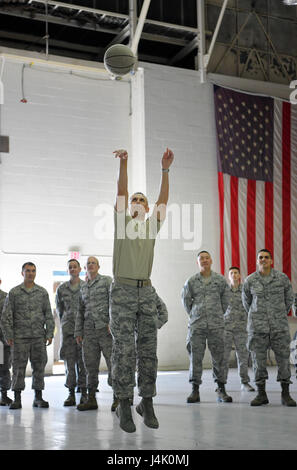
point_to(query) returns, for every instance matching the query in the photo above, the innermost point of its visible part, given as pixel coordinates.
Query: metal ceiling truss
(217, 49)
(267, 61)
(119, 26)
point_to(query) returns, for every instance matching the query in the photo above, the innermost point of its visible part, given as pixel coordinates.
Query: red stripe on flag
(269, 241)
(221, 204)
(286, 187)
(235, 258)
(251, 226)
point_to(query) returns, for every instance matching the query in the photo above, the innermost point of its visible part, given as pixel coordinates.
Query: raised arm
(160, 206)
(122, 189)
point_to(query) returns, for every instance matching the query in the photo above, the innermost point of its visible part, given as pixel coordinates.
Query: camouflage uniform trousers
(134, 328)
(95, 342)
(196, 345)
(279, 342)
(71, 353)
(23, 350)
(5, 376)
(240, 341)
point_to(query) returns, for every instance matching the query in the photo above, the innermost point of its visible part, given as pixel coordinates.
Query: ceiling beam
(71, 6)
(184, 52)
(120, 34)
(22, 13)
(30, 38)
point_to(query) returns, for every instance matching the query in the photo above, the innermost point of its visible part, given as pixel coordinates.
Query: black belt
(134, 282)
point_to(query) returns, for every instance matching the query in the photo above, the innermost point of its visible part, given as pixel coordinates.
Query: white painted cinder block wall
(60, 167)
(179, 114)
(59, 170)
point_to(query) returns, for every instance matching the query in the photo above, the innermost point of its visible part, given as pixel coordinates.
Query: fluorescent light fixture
(290, 2)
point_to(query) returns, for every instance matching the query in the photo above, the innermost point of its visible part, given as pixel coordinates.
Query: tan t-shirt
(134, 242)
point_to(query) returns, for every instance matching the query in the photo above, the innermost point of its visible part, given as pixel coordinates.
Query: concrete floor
(207, 425)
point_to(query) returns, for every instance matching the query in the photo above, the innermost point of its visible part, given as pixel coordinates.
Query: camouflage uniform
(27, 319)
(205, 303)
(67, 302)
(5, 377)
(267, 301)
(235, 319)
(133, 309)
(91, 323)
(137, 313)
(162, 312)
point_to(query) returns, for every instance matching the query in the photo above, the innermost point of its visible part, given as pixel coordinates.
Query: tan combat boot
(90, 404)
(261, 398)
(222, 394)
(38, 400)
(146, 410)
(287, 400)
(17, 403)
(5, 400)
(70, 400)
(123, 412)
(194, 397)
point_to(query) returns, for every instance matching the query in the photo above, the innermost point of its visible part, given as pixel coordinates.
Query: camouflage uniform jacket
(2, 299)
(235, 316)
(93, 311)
(27, 314)
(67, 302)
(206, 303)
(267, 303)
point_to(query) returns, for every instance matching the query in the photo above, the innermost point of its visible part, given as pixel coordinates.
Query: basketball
(119, 59)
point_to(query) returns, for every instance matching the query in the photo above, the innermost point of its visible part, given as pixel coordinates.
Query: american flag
(257, 180)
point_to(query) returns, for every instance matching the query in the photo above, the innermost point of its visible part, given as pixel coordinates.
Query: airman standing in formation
(235, 319)
(267, 297)
(28, 327)
(205, 297)
(67, 303)
(92, 328)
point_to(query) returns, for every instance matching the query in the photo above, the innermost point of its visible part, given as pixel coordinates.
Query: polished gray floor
(207, 425)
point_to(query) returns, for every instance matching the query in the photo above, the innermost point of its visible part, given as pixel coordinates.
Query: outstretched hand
(167, 158)
(121, 153)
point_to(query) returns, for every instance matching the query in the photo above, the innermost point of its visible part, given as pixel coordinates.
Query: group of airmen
(253, 316)
(120, 317)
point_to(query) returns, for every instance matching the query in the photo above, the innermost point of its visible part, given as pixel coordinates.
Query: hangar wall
(60, 172)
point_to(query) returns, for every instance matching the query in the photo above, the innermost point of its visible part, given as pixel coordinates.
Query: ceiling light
(290, 2)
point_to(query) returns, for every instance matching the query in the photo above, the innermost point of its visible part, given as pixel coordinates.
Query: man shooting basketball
(133, 310)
